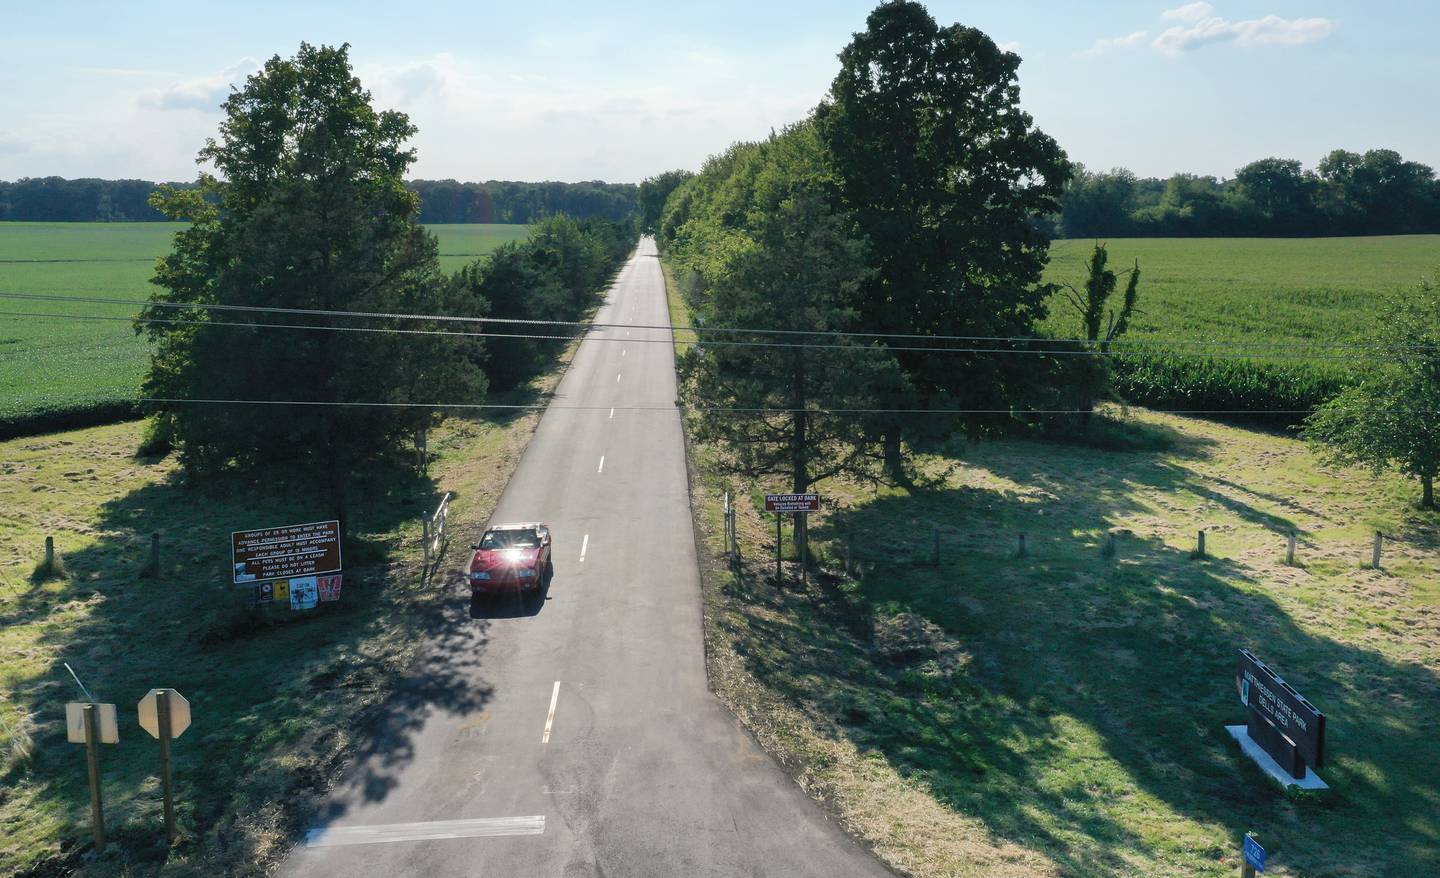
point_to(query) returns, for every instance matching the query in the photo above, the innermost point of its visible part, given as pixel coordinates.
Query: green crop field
(1283, 298)
(45, 364)
(1253, 289)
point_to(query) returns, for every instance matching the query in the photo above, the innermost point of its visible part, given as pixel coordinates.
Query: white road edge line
(601, 468)
(584, 544)
(550, 719)
(483, 827)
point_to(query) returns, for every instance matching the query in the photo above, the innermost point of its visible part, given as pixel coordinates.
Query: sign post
(1282, 722)
(273, 560)
(92, 724)
(1254, 857)
(800, 504)
(165, 714)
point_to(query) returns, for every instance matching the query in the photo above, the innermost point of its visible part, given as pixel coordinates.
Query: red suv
(511, 557)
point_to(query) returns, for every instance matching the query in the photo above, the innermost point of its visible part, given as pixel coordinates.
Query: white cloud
(1012, 46)
(1190, 12)
(1270, 30)
(13, 146)
(200, 93)
(1105, 45)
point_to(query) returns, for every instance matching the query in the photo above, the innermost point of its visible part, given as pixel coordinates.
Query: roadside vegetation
(279, 702)
(1010, 658)
(1062, 713)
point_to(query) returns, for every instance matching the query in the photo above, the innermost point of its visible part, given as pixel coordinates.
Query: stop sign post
(165, 714)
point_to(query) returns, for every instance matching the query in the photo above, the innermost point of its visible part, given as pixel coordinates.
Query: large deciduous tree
(307, 209)
(1391, 417)
(945, 174)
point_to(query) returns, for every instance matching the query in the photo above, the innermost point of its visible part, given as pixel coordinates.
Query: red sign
(285, 552)
(792, 502)
(329, 588)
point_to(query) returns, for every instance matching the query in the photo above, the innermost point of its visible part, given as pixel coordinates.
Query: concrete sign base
(1267, 763)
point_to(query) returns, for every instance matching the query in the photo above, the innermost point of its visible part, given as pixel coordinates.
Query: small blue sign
(1254, 853)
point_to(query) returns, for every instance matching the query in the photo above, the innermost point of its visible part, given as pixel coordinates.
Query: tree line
(868, 281)
(898, 216)
(56, 199)
(1347, 193)
(299, 219)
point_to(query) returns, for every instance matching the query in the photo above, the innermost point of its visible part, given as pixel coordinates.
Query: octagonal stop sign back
(150, 713)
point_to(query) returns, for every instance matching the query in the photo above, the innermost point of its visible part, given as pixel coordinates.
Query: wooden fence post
(1109, 550)
(155, 554)
(1200, 544)
(1020, 550)
(1290, 550)
(1375, 555)
(49, 554)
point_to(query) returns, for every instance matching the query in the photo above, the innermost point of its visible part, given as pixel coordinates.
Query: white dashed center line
(612, 414)
(617, 377)
(601, 468)
(624, 351)
(485, 827)
(584, 545)
(550, 719)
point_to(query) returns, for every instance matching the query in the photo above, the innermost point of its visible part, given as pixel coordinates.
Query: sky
(620, 90)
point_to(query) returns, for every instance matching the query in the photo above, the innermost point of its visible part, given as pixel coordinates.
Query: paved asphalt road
(643, 771)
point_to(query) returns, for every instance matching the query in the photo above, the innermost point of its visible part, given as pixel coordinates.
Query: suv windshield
(505, 539)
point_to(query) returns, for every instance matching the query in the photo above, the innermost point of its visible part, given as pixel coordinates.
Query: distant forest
(55, 199)
(1348, 193)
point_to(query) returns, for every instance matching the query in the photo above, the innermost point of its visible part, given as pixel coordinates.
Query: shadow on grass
(1053, 688)
(279, 700)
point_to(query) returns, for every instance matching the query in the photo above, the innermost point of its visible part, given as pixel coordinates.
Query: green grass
(46, 363)
(1062, 714)
(276, 708)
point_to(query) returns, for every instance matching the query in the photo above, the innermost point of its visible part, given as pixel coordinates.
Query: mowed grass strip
(46, 365)
(277, 707)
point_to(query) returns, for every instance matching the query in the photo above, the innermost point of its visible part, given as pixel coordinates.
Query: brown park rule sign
(792, 502)
(285, 552)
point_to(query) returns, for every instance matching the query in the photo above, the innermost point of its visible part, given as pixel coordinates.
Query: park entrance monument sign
(1283, 732)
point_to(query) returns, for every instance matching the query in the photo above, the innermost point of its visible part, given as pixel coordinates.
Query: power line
(1232, 354)
(696, 329)
(679, 407)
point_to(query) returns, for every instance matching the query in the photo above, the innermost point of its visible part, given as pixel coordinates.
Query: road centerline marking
(617, 377)
(550, 718)
(483, 827)
(601, 468)
(612, 414)
(584, 545)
